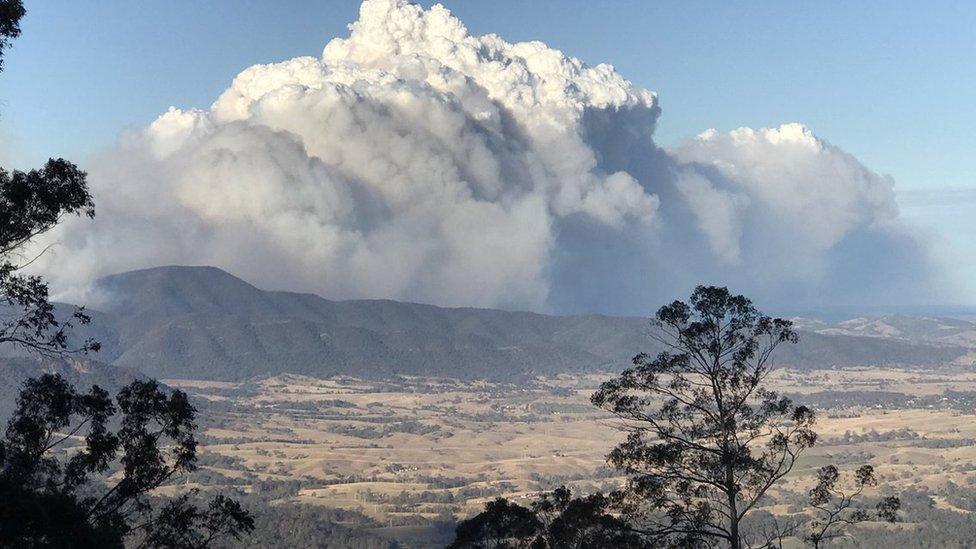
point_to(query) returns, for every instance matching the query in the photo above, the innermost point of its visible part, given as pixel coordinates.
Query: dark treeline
(78, 469)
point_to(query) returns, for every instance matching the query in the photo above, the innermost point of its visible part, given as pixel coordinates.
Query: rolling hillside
(201, 322)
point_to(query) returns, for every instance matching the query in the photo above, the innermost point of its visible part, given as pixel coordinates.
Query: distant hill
(916, 329)
(201, 322)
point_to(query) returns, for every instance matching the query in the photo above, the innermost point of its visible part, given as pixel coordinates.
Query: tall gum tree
(706, 439)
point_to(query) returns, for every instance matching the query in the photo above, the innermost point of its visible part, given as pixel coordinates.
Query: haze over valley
(204, 323)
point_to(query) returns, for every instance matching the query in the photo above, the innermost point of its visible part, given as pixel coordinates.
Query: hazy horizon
(98, 298)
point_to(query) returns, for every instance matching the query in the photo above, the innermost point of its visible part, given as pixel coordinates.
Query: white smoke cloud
(825, 192)
(416, 161)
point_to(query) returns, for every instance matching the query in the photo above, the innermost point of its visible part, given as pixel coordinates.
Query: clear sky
(890, 82)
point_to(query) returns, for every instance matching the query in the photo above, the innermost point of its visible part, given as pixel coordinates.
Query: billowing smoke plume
(415, 161)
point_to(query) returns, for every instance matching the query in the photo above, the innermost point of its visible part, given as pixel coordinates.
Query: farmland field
(412, 451)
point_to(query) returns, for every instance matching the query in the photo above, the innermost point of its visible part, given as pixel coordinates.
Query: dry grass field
(413, 448)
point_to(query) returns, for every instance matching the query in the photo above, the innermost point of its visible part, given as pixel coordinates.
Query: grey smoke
(415, 161)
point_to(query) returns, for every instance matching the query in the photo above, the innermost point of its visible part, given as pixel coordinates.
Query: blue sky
(890, 82)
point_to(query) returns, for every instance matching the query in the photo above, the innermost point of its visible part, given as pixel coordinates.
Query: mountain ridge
(202, 322)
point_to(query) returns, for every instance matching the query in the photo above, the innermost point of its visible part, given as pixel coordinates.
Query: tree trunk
(735, 542)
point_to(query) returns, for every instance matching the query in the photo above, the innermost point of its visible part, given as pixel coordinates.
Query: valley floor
(413, 451)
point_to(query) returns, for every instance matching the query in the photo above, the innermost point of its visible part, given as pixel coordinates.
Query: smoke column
(415, 161)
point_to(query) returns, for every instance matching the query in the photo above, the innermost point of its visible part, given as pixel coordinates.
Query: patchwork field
(415, 450)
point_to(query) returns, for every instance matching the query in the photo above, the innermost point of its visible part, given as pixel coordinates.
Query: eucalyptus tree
(556, 520)
(70, 478)
(67, 478)
(707, 439)
(836, 506)
(31, 204)
(11, 12)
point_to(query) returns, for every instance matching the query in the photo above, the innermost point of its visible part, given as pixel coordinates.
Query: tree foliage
(502, 525)
(182, 524)
(32, 203)
(836, 507)
(11, 12)
(583, 522)
(556, 520)
(707, 440)
(68, 479)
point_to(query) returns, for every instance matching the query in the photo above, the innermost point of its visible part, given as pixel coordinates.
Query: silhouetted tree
(502, 525)
(32, 203)
(582, 522)
(68, 480)
(707, 440)
(11, 12)
(181, 524)
(58, 448)
(556, 520)
(836, 507)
